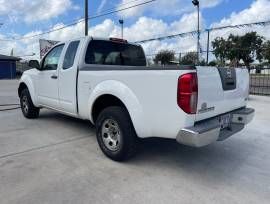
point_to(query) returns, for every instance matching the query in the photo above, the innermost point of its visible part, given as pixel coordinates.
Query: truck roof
(98, 38)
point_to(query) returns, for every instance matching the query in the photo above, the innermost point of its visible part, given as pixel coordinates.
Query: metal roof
(10, 58)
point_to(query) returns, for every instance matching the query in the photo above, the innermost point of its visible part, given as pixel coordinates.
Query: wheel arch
(22, 86)
(103, 102)
(25, 82)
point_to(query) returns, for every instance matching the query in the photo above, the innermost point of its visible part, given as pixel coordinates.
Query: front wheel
(27, 106)
(115, 133)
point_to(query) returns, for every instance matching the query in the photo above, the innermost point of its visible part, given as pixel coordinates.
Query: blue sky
(162, 17)
(225, 9)
(214, 14)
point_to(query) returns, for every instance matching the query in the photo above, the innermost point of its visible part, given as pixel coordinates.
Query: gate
(260, 81)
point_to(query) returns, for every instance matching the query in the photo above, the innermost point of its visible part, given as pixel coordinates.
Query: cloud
(257, 12)
(34, 11)
(146, 27)
(210, 3)
(101, 6)
(143, 28)
(162, 7)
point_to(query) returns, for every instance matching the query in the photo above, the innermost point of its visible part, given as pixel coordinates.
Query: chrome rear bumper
(208, 131)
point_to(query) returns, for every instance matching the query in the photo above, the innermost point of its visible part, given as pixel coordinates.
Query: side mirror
(34, 64)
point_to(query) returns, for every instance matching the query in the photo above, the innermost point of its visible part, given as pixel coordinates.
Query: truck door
(47, 79)
(68, 78)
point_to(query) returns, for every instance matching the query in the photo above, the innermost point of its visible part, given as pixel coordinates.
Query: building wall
(7, 70)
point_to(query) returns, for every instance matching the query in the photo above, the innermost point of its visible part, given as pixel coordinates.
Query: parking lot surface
(56, 159)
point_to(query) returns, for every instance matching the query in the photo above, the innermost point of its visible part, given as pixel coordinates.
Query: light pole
(208, 42)
(197, 4)
(86, 17)
(121, 21)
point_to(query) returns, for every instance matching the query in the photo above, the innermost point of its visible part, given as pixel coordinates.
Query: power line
(192, 33)
(119, 5)
(169, 37)
(261, 23)
(81, 20)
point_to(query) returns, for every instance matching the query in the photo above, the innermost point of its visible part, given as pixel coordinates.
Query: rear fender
(129, 99)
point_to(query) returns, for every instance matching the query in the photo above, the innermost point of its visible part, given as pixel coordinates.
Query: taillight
(118, 40)
(187, 93)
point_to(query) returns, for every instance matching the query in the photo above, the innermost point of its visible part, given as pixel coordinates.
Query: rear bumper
(208, 131)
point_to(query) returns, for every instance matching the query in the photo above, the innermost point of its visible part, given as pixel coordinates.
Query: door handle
(54, 77)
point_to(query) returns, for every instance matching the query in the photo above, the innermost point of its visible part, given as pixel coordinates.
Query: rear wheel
(115, 133)
(27, 106)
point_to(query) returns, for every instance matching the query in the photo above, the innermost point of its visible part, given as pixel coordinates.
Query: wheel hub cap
(25, 104)
(111, 134)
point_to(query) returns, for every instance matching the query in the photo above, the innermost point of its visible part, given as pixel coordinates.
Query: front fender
(127, 96)
(28, 81)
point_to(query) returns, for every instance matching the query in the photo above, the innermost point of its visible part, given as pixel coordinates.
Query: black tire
(128, 140)
(27, 106)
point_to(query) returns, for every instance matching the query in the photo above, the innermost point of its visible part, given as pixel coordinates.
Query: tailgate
(221, 90)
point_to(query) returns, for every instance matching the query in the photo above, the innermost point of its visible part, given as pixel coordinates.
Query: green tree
(220, 49)
(213, 63)
(266, 51)
(251, 48)
(164, 57)
(247, 48)
(189, 59)
(233, 49)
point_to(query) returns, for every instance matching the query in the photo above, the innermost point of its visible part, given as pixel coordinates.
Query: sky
(24, 18)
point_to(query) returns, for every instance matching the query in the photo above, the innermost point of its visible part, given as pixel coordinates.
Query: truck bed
(150, 94)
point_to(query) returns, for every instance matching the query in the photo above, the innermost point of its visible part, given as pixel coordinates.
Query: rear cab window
(70, 54)
(103, 52)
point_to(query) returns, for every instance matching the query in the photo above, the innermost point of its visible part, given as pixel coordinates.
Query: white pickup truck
(107, 82)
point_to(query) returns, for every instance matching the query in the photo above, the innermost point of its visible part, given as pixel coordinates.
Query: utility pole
(208, 41)
(121, 21)
(197, 4)
(86, 17)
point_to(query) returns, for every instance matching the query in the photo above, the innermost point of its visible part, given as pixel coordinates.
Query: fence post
(180, 57)
(208, 41)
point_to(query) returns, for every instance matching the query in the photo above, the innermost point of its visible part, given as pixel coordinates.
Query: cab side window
(51, 60)
(70, 54)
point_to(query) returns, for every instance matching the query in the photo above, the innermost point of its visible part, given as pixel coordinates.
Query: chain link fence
(260, 81)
